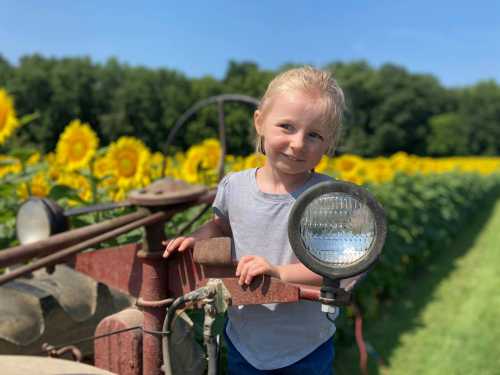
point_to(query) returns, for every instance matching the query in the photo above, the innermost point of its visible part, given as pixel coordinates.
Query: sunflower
(156, 165)
(54, 168)
(39, 187)
(118, 195)
(9, 164)
(380, 175)
(101, 167)
(8, 120)
(399, 160)
(323, 164)
(347, 164)
(79, 183)
(379, 170)
(353, 177)
(234, 163)
(76, 146)
(34, 158)
(254, 161)
(193, 164)
(128, 160)
(212, 153)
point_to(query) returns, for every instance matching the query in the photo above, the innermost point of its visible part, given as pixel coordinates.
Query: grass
(447, 320)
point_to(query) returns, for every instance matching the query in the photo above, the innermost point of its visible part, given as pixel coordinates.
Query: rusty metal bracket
(160, 303)
(53, 352)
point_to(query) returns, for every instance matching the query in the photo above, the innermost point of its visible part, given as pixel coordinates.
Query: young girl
(297, 122)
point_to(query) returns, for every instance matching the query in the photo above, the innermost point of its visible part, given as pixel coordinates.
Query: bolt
(328, 309)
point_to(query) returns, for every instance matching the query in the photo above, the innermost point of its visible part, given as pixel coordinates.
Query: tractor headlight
(337, 229)
(38, 219)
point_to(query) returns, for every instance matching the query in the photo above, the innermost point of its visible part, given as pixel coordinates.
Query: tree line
(389, 108)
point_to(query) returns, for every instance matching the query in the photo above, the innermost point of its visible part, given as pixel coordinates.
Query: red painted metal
(213, 252)
(308, 292)
(118, 267)
(120, 353)
(153, 280)
(185, 275)
(153, 288)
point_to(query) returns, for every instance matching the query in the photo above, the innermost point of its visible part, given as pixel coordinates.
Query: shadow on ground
(402, 315)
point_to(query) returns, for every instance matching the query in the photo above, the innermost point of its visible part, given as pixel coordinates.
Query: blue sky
(457, 41)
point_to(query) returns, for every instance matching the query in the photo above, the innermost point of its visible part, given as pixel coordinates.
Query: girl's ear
(257, 121)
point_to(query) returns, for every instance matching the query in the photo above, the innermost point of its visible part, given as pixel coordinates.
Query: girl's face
(294, 137)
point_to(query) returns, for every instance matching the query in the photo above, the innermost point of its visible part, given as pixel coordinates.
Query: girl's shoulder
(237, 179)
(320, 177)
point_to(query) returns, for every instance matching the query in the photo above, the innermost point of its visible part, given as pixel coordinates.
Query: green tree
(448, 135)
(6, 71)
(400, 121)
(480, 109)
(357, 80)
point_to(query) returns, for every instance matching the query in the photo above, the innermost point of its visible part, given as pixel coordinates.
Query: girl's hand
(180, 244)
(250, 266)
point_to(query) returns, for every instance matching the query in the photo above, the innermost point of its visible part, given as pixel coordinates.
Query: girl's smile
(293, 158)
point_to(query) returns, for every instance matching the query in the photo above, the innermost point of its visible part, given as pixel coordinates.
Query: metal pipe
(96, 208)
(208, 336)
(154, 286)
(222, 139)
(310, 293)
(59, 256)
(54, 243)
(167, 360)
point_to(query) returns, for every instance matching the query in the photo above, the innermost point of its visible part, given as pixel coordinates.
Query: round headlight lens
(32, 222)
(38, 219)
(338, 229)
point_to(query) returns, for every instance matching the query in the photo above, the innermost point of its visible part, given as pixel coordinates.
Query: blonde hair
(308, 78)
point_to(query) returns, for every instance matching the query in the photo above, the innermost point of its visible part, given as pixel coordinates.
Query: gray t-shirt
(269, 336)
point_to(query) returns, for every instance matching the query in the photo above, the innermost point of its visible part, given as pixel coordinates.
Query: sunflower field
(426, 200)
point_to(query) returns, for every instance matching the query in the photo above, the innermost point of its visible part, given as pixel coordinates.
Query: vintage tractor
(125, 304)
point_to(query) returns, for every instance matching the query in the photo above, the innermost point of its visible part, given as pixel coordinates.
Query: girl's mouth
(293, 158)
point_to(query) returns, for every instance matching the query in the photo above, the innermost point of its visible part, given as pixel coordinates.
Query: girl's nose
(297, 141)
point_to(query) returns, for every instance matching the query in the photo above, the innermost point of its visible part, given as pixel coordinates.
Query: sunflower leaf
(16, 179)
(22, 153)
(29, 118)
(58, 192)
(7, 162)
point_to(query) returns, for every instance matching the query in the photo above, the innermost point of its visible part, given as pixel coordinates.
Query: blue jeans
(319, 362)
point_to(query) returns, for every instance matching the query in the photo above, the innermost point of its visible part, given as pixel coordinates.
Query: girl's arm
(252, 265)
(299, 274)
(217, 227)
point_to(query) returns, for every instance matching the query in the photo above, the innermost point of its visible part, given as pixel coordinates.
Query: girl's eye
(316, 136)
(285, 126)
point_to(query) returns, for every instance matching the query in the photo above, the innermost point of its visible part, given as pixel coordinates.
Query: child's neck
(272, 181)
